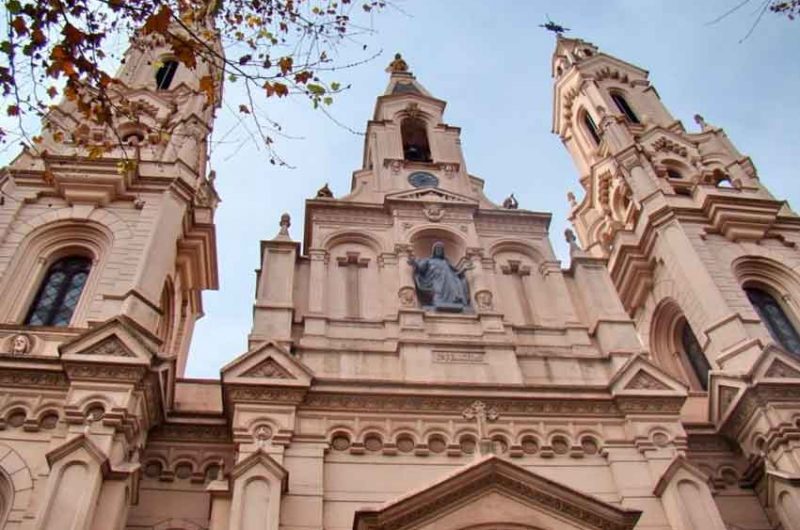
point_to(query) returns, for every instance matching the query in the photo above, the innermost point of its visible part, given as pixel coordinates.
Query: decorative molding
(780, 370)
(644, 381)
(111, 347)
(269, 369)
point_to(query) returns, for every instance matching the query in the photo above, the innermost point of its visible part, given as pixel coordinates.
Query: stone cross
(478, 411)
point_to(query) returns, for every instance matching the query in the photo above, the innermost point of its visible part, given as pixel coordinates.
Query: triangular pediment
(269, 363)
(638, 376)
(493, 491)
(432, 195)
(776, 365)
(117, 340)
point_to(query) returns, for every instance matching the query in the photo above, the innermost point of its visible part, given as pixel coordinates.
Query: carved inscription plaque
(458, 357)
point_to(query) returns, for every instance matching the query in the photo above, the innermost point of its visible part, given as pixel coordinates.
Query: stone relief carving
(407, 297)
(110, 346)
(483, 299)
(269, 369)
(433, 213)
(780, 369)
(644, 381)
(21, 344)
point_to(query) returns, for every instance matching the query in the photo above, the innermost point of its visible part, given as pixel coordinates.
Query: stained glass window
(165, 74)
(624, 108)
(694, 354)
(59, 293)
(775, 318)
(591, 127)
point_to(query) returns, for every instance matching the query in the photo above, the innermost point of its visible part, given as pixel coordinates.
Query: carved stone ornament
(111, 347)
(20, 344)
(262, 433)
(268, 369)
(396, 166)
(645, 381)
(434, 213)
(779, 369)
(483, 299)
(407, 297)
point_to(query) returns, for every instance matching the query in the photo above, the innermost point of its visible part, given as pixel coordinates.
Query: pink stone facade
(654, 384)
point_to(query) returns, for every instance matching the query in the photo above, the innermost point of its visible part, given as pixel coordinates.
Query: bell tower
(107, 241)
(123, 214)
(704, 258)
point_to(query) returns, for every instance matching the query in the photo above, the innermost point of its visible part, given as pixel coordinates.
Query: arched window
(624, 108)
(775, 318)
(674, 174)
(415, 140)
(59, 292)
(694, 354)
(165, 74)
(591, 127)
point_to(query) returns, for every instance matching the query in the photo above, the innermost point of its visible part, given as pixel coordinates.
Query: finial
(398, 65)
(510, 203)
(324, 192)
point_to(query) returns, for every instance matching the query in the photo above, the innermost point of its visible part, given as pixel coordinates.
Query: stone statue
(510, 203)
(324, 192)
(441, 286)
(398, 65)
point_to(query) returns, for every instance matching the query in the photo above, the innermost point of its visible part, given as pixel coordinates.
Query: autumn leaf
(12, 110)
(19, 25)
(244, 109)
(158, 22)
(285, 64)
(207, 87)
(303, 77)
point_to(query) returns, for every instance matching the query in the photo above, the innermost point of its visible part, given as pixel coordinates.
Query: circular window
(560, 445)
(341, 442)
(153, 469)
(589, 446)
(183, 471)
(468, 444)
(49, 421)
(660, 439)
(529, 445)
(405, 443)
(437, 444)
(499, 445)
(373, 442)
(212, 472)
(95, 412)
(16, 418)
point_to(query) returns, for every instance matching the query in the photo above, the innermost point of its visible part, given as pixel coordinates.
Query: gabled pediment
(776, 366)
(773, 366)
(639, 377)
(269, 364)
(435, 195)
(117, 340)
(495, 492)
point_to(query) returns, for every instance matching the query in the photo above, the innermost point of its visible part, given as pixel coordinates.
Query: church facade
(419, 358)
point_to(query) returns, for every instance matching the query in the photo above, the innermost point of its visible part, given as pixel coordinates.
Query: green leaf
(315, 89)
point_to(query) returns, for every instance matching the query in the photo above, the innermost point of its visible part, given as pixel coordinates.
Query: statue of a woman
(440, 286)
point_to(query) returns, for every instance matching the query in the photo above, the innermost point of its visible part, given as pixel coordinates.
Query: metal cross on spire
(558, 29)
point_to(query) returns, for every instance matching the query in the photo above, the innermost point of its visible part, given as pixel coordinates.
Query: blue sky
(491, 62)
